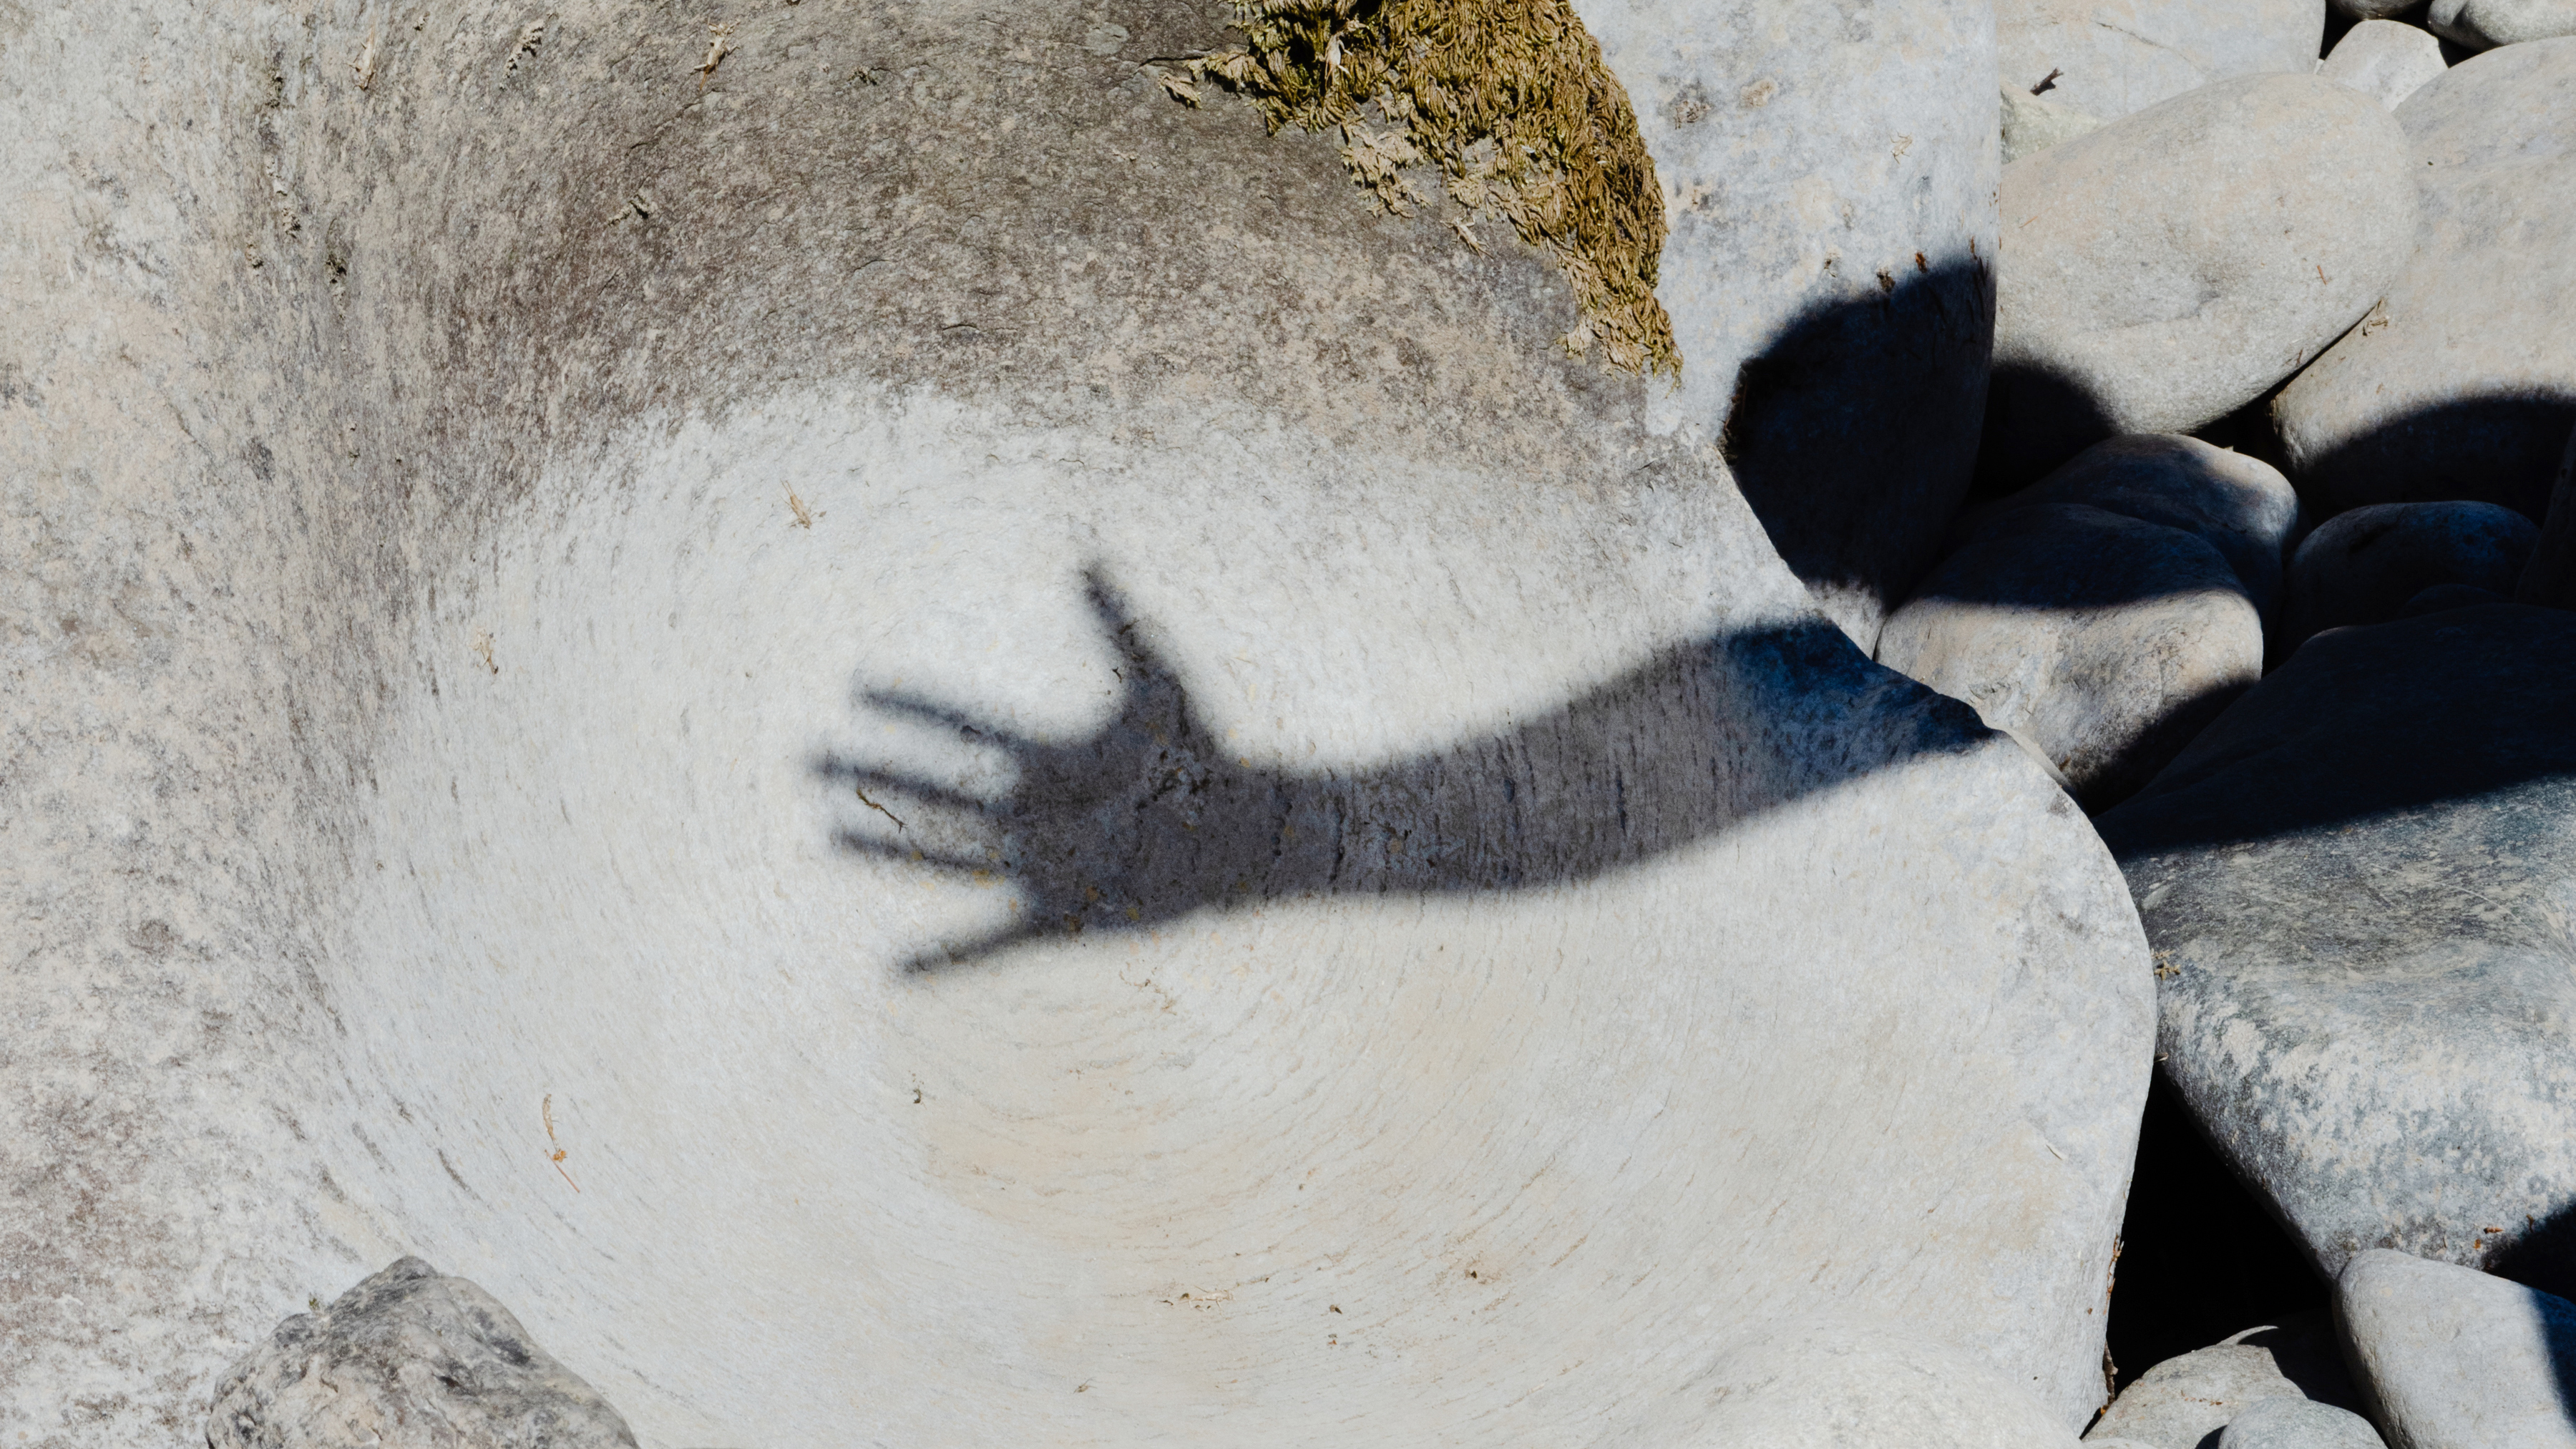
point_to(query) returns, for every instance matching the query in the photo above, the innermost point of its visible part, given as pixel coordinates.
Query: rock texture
(2456, 1358)
(1829, 270)
(2103, 643)
(2485, 24)
(409, 1359)
(2182, 1402)
(2164, 271)
(926, 748)
(2114, 57)
(2357, 882)
(2385, 60)
(2461, 384)
(2369, 565)
(2284, 1423)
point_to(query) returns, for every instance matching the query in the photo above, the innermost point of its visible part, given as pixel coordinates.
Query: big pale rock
(2462, 384)
(2180, 1403)
(2032, 124)
(2386, 60)
(2456, 1359)
(1830, 269)
(2165, 270)
(2115, 57)
(926, 749)
(409, 1359)
(2355, 882)
(2370, 565)
(2485, 24)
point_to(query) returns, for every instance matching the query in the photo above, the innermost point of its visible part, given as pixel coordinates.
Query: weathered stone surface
(2386, 60)
(2102, 642)
(2368, 566)
(1406, 922)
(2286, 1423)
(2485, 24)
(1829, 271)
(2182, 1402)
(2456, 1359)
(2550, 577)
(2462, 384)
(2356, 882)
(2116, 57)
(2239, 503)
(409, 1359)
(2032, 124)
(2169, 268)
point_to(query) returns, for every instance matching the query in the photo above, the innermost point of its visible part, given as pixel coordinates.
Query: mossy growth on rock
(1510, 100)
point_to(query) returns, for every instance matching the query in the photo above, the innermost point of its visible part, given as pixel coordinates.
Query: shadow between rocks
(1852, 435)
(2200, 1256)
(2502, 449)
(1153, 817)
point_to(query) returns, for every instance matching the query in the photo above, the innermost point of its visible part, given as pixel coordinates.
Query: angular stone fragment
(2165, 270)
(2357, 882)
(409, 1359)
(2462, 383)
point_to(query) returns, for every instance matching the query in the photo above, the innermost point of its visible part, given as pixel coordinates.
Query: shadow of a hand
(1138, 823)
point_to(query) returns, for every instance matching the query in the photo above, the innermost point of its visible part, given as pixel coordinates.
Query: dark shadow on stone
(1153, 817)
(1852, 435)
(2405, 732)
(2035, 420)
(2502, 450)
(2200, 1257)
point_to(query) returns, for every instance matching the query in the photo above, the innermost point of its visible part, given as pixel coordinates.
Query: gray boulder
(2485, 24)
(2457, 1359)
(2115, 58)
(2356, 882)
(2386, 60)
(2238, 502)
(2367, 10)
(2286, 1423)
(2368, 566)
(2180, 1403)
(408, 1359)
(2101, 642)
(2165, 270)
(2462, 383)
(1828, 270)
(2550, 577)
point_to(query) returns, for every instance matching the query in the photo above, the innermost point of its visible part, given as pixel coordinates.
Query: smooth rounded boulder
(2386, 60)
(923, 747)
(2459, 1358)
(2110, 58)
(2163, 271)
(2485, 24)
(2287, 1423)
(2355, 881)
(2462, 383)
(2239, 503)
(2185, 1400)
(2370, 565)
(2101, 642)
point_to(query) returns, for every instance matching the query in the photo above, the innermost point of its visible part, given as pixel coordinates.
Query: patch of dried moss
(1510, 100)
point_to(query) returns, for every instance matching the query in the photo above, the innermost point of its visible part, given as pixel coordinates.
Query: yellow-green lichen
(1510, 100)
